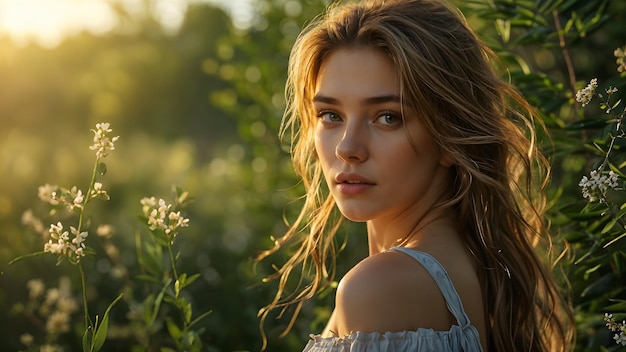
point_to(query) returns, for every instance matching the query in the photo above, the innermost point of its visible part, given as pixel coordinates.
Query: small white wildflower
(52, 295)
(597, 184)
(620, 338)
(147, 205)
(49, 194)
(102, 143)
(29, 218)
(27, 339)
(61, 244)
(78, 245)
(105, 231)
(160, 217)
(58, 322)
(76, 199)
(155, 220)
(176, 221)
(618, 328)
(58, 243)
(620, 55)
(36, 288)
(67, 304)
(97, 191)
(585, 95)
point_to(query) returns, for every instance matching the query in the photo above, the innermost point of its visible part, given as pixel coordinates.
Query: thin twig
(565, 50)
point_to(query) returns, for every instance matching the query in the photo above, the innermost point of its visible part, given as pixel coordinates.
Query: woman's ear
(446, 159)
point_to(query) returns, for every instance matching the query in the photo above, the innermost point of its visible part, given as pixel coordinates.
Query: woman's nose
(353, 145)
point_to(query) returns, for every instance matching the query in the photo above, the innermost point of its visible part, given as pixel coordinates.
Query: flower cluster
(61, 244)
(97, 191)
(618, 328)
(620, 54)
(29, 219)
(55, 305)
(58, 196)
(102, 144)
(585, 95)
(160, 217)
(595, 186)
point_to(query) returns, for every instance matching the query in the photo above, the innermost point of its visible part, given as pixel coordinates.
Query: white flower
(61, 244)
(67, 305)
(49, 194)
(35, 287)
(596, 186)
(58, 322)
(52, 295)
(29, 218)
(105, 231)
(97, 191)
(27, 339)
(160, 217)
(620, 55)
(585, 95)
(618, 328)
(102, 143)
(620, 338)
(76, 196)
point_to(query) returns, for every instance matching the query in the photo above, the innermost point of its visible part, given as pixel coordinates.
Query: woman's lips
(353, 184)
(351, 189)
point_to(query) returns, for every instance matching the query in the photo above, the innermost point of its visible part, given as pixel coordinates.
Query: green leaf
(187, 310)
(147, 278)
(190, 280)
(87, 339)
(199, 318)
(158, 300)
(591, 270)
(147, 309)
(103, 327)
(586, 124)
(22, 257)
(101, 169)
(615, 240)
(603, 284)
(619, 306)
(175, 332)
(587, 215)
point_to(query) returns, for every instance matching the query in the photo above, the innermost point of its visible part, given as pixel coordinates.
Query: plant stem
(88, 322)
(565, 50)
(172, 260)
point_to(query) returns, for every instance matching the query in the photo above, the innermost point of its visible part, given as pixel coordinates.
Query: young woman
(399, 120)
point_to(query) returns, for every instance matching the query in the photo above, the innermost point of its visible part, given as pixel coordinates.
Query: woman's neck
(435, 225)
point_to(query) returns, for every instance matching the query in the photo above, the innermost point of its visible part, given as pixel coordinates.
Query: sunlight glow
(47, 22)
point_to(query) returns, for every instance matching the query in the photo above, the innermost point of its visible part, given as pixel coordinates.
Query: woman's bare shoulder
(389, 291)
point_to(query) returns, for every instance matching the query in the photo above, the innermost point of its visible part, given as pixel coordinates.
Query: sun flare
(48, 21)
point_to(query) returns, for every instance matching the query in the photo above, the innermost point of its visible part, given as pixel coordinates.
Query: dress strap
(441, 277)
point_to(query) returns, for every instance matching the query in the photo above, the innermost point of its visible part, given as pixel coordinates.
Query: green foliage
(547, 45)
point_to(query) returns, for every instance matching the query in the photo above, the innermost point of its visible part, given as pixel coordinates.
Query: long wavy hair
(451, 79)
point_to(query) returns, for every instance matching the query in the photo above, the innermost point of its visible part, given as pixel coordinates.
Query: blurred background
(194, 89)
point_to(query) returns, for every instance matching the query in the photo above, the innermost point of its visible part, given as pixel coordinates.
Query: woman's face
(378, 165)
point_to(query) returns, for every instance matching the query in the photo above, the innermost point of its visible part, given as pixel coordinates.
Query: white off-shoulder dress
(462, 337)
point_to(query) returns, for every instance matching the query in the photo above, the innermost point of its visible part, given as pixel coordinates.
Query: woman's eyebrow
(390, 98)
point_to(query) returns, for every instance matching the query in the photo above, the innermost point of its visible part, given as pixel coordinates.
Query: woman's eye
(328, 116)
(389, 119)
